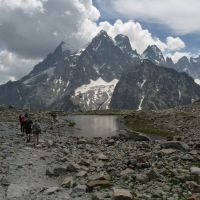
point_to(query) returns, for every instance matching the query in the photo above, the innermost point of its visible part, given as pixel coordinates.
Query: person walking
(28, 127)
(21, 121)
(36, 130)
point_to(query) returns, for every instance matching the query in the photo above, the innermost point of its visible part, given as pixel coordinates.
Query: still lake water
(94, 125)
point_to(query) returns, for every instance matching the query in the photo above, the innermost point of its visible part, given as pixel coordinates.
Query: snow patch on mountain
(197, 81)
(140, 104)
(144, 81)
(96, 95)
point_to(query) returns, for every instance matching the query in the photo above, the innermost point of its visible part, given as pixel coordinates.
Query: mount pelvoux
(108, 73)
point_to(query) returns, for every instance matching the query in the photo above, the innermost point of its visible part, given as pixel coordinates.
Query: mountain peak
(153, 48)
(102, 36)
(184, 59)
(169, 60)
(183, 64)
(123, 42)
(101, 40)
(154, 54)
(120, 37)
(61, 48)
(102, 33)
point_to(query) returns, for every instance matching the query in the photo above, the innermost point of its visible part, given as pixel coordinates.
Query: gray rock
(68, 182)
(81, 174)
(136, 136)
(101, 156)
(52, 190)
(187, 157)
(153, 174)
(79, 189)
(168, 151)
(100, 176)
(73, 167)
(193, 186)
(143, 178)
(121, 194)
(127, 172)
(56, 171)
(16, 191)
(176, 145)
(97, 196)
(195, 170)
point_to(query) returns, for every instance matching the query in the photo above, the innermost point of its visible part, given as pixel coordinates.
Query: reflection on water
(94, 126)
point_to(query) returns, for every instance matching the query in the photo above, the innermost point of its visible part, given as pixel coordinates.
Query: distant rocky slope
(147, 86)
(86, 79)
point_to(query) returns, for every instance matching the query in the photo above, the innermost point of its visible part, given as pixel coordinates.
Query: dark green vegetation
(170, 122)
(145, 122)
(105, 112)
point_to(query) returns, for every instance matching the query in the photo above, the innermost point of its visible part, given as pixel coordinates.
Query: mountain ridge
(54, 82)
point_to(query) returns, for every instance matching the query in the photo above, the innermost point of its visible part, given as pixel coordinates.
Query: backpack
(36, 128)
(27, 124)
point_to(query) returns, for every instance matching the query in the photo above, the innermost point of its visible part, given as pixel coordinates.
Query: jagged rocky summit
(86, 79)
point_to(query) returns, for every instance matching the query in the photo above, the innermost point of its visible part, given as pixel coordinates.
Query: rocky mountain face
(190, 66)
(68, 80)
(85, 79)
(139, 89)
(154, 54)
(124, 44)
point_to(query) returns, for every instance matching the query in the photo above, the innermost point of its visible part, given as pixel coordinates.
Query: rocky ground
(120, 168)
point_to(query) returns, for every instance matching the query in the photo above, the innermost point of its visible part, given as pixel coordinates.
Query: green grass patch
(105, 112)
(143, 122)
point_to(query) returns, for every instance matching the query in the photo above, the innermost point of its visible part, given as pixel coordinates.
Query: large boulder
(16, 191)
(176, 145)
(195, 170)
(122, 194)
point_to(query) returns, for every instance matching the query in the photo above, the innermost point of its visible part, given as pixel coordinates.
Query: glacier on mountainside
(94, 96)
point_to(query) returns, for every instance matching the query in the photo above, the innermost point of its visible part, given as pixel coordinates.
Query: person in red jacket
(21, 121)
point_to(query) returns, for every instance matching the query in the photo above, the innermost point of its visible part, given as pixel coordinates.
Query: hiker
(36, 130)
(28, 128)
(21, 121)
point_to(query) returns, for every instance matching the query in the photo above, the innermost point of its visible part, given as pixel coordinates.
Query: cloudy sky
(30, 29)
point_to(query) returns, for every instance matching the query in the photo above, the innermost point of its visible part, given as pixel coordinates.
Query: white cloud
(181, 16)
(72, 21)
(25, 5)
(30, 34)
(140, 38)
(13, 67)
(30, 29)
(175, 43)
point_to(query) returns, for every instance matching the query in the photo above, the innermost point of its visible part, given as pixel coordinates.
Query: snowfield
(95, 95)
